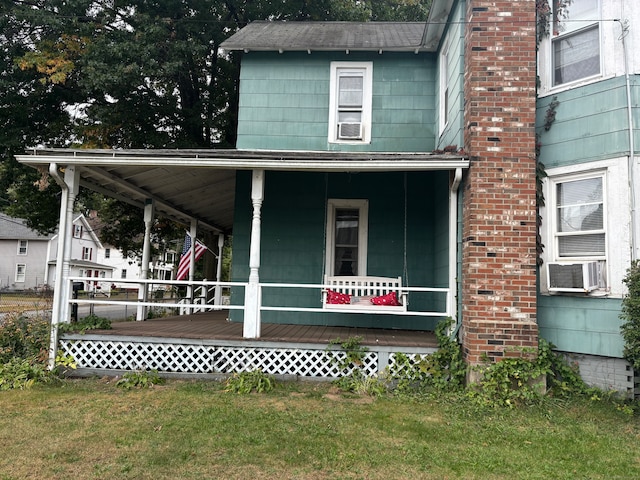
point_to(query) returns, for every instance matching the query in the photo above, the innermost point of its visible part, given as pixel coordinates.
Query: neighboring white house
(23, 255)
(86, 250)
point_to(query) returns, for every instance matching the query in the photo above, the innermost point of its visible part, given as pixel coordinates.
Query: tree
(130, 74)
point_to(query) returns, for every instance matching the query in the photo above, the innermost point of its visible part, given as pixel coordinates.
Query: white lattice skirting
(187, 357)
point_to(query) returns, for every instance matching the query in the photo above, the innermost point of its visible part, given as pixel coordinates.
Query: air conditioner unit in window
(349, 131)
(573, 277)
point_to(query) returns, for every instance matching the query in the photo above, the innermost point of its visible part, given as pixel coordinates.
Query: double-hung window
(21, 273)
(580, 222)
(350, 102)
(575, 41)
(347, 237)
(87, 253)
(22, 247)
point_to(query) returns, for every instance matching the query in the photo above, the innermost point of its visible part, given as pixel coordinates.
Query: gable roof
(15, 229)
(328, 36)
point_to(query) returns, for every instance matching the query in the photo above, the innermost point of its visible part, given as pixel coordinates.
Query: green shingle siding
(293, 242)
(590, 124)
(287, 95)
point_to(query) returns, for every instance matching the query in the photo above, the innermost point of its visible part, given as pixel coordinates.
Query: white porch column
(143, 288)
(453, 241)
(61, 293)
(252, 300)
(217, 300)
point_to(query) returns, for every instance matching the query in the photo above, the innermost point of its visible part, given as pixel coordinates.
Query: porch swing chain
(405, 270)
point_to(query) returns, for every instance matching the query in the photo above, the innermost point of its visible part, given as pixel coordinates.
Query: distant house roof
(74, 262)
(326, 36)
(16, 229)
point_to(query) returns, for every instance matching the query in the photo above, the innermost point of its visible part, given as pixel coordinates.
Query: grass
(85, 429)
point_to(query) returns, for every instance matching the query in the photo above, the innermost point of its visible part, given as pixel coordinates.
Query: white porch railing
(203, 300)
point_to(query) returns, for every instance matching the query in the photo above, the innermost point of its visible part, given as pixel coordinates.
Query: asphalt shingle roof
(15, 229)
(326, 36)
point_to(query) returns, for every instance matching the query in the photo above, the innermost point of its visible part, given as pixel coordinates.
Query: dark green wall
(293, 239)
(284, 101)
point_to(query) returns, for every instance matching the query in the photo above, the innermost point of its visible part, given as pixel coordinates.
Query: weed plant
(90, 322)
(140, 379)
(247, 382)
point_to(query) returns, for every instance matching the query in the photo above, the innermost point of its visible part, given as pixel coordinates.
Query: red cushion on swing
(389, 299)
(337, 298)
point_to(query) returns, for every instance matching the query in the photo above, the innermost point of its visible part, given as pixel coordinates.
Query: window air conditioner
(349, 131)
(573, 277)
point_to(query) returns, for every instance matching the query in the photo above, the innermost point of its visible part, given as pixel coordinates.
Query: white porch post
(60, 307)
(252, 300)
(453, 241)
(217, 300)
(143, 288)
(193, 232)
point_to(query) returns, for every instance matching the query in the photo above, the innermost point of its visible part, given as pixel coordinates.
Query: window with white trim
(123, 274)
(575, 40)
(21, 273)
(107, 253)
(87, 253)
(347, 231)
(77, 231)
(350, 102)
(579, 206)
(444, 88)
(22, 247)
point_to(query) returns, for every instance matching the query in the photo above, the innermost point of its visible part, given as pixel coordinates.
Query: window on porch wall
(347, 237)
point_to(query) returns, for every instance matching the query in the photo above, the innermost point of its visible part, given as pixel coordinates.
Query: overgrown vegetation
(23, 352)
(140, 379)
(443, 369)
(90, 322)
(631, 316)
(248, 382)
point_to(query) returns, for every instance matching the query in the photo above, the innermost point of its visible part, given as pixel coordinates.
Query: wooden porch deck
(214, 326)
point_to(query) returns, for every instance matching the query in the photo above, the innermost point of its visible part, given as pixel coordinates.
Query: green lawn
(93, 429)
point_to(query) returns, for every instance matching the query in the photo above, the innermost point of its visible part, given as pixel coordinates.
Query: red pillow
(338, 298)
(388, 299)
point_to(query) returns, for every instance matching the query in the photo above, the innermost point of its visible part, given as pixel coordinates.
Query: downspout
(624, 25)
(453, 239)
(58, 292)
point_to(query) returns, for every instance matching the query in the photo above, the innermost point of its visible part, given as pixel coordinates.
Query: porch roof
(200, 184)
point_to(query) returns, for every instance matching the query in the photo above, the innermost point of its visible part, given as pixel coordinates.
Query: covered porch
(223, 192)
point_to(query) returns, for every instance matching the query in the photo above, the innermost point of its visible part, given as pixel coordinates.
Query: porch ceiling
(200, 184)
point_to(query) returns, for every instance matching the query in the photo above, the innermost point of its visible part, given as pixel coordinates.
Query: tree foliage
(130, 74)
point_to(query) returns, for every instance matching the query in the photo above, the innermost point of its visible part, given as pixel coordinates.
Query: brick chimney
(499, 233)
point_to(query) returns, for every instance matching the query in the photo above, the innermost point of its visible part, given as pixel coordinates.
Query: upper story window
(107, 253)
(22, 247)
(575, 40)
(87, 253)
(77, 231)
(444, 88)
(350, 102)
(347, 231)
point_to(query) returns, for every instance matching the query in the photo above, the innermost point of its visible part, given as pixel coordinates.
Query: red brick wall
(499, 232)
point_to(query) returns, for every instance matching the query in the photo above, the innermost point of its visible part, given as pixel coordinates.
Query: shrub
(23, 338)
(631, 316)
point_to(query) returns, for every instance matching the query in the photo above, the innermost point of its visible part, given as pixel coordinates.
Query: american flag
(185, 259)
